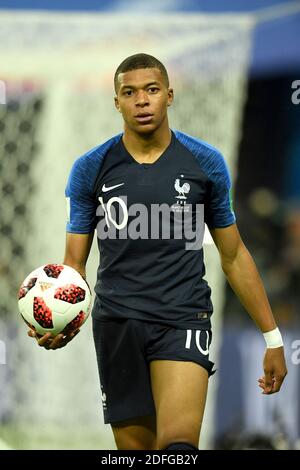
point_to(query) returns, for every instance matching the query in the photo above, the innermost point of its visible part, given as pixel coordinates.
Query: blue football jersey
(151, 267)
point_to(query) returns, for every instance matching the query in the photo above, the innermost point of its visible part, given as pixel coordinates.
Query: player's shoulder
(209, 157)
(97, 154)
(86, 167)
(196, 145)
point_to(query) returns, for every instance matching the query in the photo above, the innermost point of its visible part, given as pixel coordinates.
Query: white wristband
(273, 339)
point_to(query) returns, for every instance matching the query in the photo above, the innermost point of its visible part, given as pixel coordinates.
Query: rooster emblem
(185, 188)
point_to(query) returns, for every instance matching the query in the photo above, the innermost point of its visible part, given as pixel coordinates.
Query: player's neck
(147, 148)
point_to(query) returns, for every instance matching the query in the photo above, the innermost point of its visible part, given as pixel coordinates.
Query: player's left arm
(242, 275)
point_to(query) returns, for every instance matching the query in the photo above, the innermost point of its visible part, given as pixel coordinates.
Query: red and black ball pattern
(75, 323)
(42, 314)
(26, 287)
(70, 293)
(53, 270)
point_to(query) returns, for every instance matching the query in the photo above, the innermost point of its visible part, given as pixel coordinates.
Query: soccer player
(151, 316)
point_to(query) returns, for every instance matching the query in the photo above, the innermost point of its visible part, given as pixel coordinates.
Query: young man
(151, 317)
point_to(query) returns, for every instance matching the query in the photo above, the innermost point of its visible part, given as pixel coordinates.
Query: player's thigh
(179, 390)
(138, 433)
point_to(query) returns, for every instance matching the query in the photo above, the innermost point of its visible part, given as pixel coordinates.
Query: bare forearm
(246, 282)
(77, 251)
(79, 267)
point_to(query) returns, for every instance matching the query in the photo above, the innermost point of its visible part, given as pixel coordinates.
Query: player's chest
(150, 184)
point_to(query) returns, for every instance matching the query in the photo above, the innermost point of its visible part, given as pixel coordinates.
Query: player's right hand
(53, 342)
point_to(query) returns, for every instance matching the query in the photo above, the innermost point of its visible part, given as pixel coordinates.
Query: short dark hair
(140, 61)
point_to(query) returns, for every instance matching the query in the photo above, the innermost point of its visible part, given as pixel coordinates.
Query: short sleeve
(218, 210)
(81, 202)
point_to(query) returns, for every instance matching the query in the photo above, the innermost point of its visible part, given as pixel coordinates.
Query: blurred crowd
(267, 195)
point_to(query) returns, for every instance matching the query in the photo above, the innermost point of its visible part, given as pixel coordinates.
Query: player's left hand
(275, 371)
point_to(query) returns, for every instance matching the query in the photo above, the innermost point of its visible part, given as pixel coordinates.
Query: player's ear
(117, 105)
(170, 96)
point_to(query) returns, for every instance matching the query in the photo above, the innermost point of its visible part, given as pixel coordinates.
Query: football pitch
(46, 438)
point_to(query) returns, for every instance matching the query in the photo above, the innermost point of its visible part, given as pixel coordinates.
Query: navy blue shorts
(124, 349)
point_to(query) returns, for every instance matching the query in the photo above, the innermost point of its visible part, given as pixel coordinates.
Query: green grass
(31, 437)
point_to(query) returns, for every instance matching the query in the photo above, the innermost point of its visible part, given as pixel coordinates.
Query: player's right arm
(78, 246)
(80, 231)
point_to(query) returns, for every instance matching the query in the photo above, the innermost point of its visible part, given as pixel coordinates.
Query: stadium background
(232, 65)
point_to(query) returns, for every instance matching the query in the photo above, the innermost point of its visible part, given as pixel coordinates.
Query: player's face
(143, 98)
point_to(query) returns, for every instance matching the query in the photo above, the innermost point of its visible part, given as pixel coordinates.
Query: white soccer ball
(54, 298)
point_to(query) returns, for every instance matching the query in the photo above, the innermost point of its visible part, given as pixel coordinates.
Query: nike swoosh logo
(109, 188)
